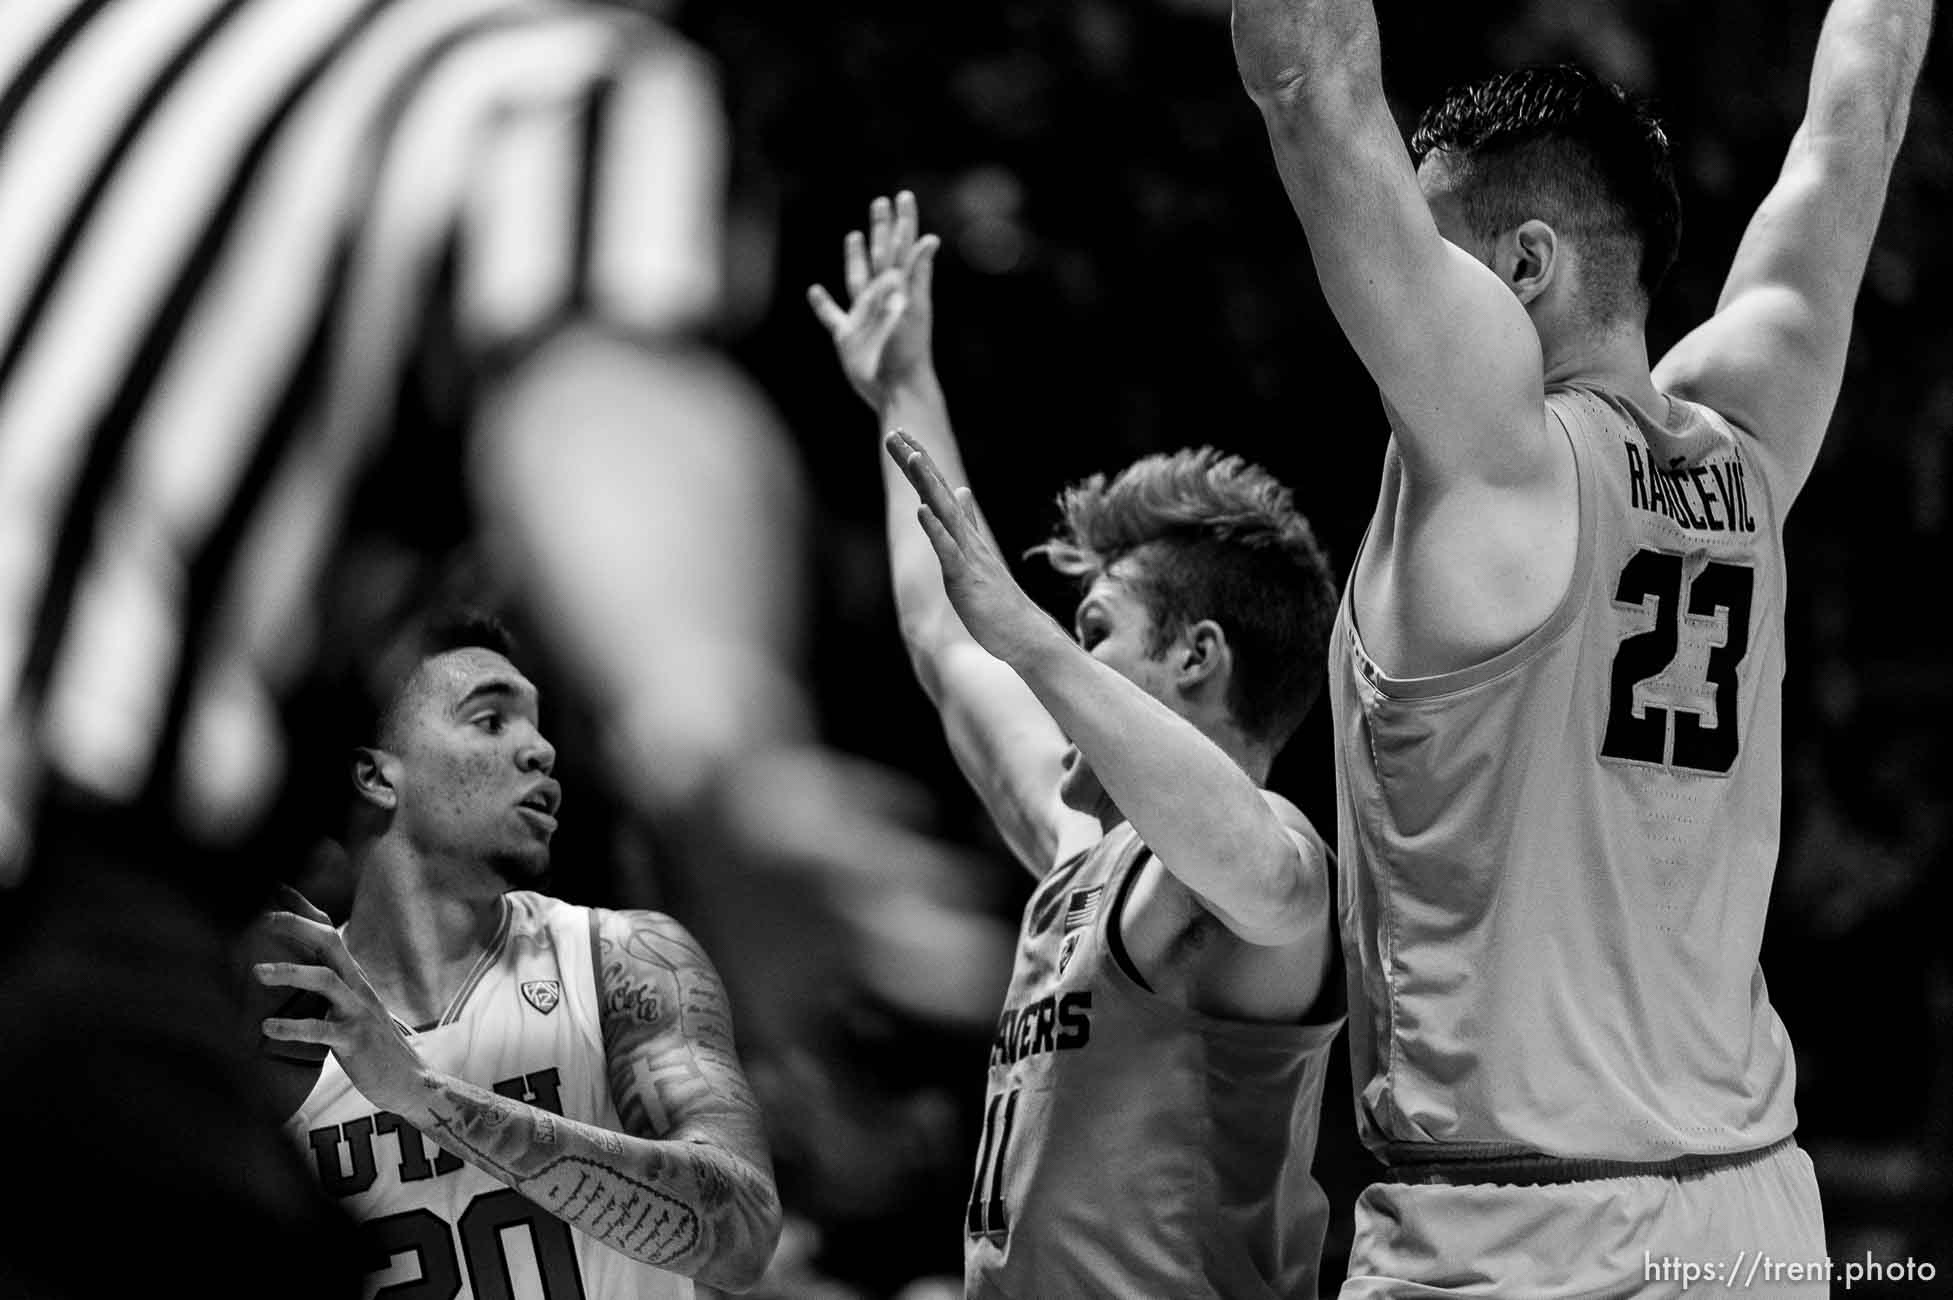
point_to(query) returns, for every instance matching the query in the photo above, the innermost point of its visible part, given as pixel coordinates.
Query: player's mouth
(541, 803)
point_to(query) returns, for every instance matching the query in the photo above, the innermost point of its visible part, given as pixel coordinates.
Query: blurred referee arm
(1772, 357)
(634, 486)
(635, 490)
(1003, 740)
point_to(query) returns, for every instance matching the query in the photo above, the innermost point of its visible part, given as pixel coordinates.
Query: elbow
(1304, 78)
(1291, 907)
(744, 1257)
(1307, 103)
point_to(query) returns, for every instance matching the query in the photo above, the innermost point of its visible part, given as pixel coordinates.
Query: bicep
(1448, 344)
(1772, 357)
(1010, 751)
(673, 1070)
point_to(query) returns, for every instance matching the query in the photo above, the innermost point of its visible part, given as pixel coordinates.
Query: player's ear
(1204, 656)
(373, 772)
(1529, 258)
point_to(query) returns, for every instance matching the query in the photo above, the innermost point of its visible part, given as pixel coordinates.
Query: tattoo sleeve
(688, 1185)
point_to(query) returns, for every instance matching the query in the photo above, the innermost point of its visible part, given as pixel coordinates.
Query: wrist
(413, 1098)
(1037, 647)
(916, 387)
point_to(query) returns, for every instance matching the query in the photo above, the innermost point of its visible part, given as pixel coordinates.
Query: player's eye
(492, 723)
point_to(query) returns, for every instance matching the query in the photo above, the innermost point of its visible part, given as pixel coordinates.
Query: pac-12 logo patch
(543, 995)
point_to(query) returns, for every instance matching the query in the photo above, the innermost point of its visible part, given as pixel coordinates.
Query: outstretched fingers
(921, 472)
(921, 268)
(854, 263)
(901, 239)
(826, 310)
(881, 223)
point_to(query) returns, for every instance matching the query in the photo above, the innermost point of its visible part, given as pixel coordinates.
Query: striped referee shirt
(227, 230)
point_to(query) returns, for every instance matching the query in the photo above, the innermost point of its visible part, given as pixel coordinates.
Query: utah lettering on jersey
(1055, 1023)
(344, 1153)
(1710, 498)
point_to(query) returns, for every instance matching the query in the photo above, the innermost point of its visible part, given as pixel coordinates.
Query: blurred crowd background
(1121, 275)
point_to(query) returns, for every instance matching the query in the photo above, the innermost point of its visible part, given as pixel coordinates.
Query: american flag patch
(1084, 905)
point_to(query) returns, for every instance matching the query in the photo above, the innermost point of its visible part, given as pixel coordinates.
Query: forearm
(1194, 806)
(683, 1206)
(1866, 67)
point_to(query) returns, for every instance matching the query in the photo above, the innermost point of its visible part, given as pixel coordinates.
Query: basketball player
(1153, 1087)
(503, 1061)
(1556, 675)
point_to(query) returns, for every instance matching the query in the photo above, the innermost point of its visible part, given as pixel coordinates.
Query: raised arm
(1447, 342)
(1772, 357)
(1003, 740)
(687, 1186)
(1194, 806)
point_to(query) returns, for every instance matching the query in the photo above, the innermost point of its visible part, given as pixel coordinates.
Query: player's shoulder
(642, 935)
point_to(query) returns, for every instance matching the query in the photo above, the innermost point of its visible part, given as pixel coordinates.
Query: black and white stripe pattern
(223, 225)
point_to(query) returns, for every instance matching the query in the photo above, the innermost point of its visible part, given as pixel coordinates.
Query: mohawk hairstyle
(1563, 146)
(1215, 538)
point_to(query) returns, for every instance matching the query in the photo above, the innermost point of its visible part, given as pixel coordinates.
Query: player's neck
(1616, 360)
(416, 940)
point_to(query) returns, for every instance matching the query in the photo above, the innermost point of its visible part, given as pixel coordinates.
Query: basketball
(289, 1070)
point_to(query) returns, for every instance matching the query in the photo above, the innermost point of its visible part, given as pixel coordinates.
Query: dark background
(1122, 274)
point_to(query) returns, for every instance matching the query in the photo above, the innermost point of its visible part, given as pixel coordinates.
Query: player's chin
(521, 863)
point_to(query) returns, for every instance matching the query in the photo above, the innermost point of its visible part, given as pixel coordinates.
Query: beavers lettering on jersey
(1710, 498)
(1057, 1023)
(352, 1171)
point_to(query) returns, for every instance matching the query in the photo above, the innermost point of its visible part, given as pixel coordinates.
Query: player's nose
(537, 755)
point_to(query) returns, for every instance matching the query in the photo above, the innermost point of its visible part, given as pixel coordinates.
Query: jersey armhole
(1115, 943)
(596, 917)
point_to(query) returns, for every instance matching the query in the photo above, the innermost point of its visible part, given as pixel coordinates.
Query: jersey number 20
(426, 1236)
(1645, 739)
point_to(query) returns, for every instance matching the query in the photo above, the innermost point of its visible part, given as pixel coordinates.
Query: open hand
(882, 338)
(998, 613)
(358, 1028)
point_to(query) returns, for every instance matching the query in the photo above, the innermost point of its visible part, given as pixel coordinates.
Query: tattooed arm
(688, 1185)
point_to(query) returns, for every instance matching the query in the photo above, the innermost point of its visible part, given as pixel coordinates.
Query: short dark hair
(429, 636)
(1215, 538)
(1563, 146)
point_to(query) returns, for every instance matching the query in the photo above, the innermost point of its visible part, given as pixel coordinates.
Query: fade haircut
(428, 637)
(1560, 145)
(1216, 538)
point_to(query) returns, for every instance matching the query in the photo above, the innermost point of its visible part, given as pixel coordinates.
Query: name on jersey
(345, 1153)
(1712, 498)
(1056, 1023)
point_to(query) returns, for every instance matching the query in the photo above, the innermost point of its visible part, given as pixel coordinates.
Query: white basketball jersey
(525, 1024)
